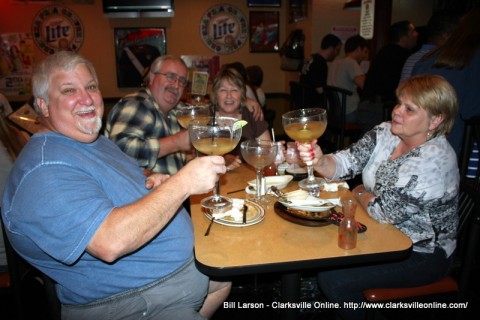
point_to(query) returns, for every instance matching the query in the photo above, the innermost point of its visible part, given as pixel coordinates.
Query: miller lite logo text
(57, 28)
(223, 29)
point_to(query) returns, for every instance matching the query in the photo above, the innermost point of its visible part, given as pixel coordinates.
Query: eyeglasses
(172, 77)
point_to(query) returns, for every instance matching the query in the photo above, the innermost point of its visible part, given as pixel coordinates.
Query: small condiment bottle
(270, 170)
(348, 228)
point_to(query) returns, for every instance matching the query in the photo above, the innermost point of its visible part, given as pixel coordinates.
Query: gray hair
(43, 72)
(157, 63)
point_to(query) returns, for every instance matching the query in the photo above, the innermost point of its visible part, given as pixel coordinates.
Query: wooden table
(276, 244)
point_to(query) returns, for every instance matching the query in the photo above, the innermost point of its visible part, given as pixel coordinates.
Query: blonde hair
(433, 94)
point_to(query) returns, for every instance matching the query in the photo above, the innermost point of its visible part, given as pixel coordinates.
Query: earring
(429, 135)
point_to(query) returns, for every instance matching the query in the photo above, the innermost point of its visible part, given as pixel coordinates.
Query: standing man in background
(315, 69)
(439, 28)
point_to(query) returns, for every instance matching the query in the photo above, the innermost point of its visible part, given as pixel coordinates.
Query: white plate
(255, 214)
(312, 205)
(278, 181)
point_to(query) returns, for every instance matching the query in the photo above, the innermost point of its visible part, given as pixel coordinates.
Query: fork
(279, 194)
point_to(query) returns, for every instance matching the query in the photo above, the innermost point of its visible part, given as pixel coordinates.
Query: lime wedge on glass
(239, 124)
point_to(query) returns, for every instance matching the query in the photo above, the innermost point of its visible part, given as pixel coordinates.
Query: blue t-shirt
(59, 192)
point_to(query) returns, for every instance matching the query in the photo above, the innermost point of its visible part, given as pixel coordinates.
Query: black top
(314, 74)
(384, 74)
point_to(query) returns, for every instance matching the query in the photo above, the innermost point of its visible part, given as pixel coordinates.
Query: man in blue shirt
(81, 211)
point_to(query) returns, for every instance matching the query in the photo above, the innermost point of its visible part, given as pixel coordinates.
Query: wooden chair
(338, 127)
(459, 282)
(12, 138)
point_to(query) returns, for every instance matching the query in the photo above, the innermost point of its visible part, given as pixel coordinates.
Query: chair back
(468, 237)
(336, 105)
(467, 161)
(18, 271)
(304, 96)
(297, 95)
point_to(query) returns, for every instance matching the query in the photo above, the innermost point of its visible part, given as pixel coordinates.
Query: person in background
(108, 236)
(143, 124)
(458, 61)
(439, 28)
(404, 184)
(255, 80)
(346, 73)
(229, 97)
(315, 69)
(384, 74)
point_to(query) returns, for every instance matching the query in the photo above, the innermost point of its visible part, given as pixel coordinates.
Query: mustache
(172, 90)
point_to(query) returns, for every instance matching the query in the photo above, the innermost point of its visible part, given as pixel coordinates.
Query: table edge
(303, 265)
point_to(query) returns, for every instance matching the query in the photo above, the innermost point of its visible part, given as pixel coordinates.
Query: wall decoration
(57, 28)
(208, 64)
(50, 1)
(223, 29)
(264, 3)
(16, 63)
(199, 83)
(264, 31)
(298, 10)
(135, 50)
(199, 64)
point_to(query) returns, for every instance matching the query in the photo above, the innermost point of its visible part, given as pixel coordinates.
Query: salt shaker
(348, 228)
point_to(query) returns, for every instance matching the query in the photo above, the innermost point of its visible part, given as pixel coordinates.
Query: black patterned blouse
(417, 192)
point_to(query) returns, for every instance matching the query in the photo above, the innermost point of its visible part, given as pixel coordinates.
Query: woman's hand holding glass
(305, 125)
(309, 152)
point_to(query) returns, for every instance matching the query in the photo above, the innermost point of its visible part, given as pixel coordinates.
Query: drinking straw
(214, 111)
(273, 135)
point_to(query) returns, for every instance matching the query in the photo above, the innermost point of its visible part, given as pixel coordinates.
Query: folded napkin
(333, 186)
(236, 212)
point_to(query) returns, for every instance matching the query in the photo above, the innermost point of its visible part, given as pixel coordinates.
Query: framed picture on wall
(264, 31)
(199, 83)
(135, 50)
(297, 10)
(264, 3)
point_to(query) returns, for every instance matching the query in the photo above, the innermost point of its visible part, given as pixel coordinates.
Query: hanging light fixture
(352, 5)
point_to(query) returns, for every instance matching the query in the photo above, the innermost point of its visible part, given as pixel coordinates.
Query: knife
(209, 226)
(245, 209)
